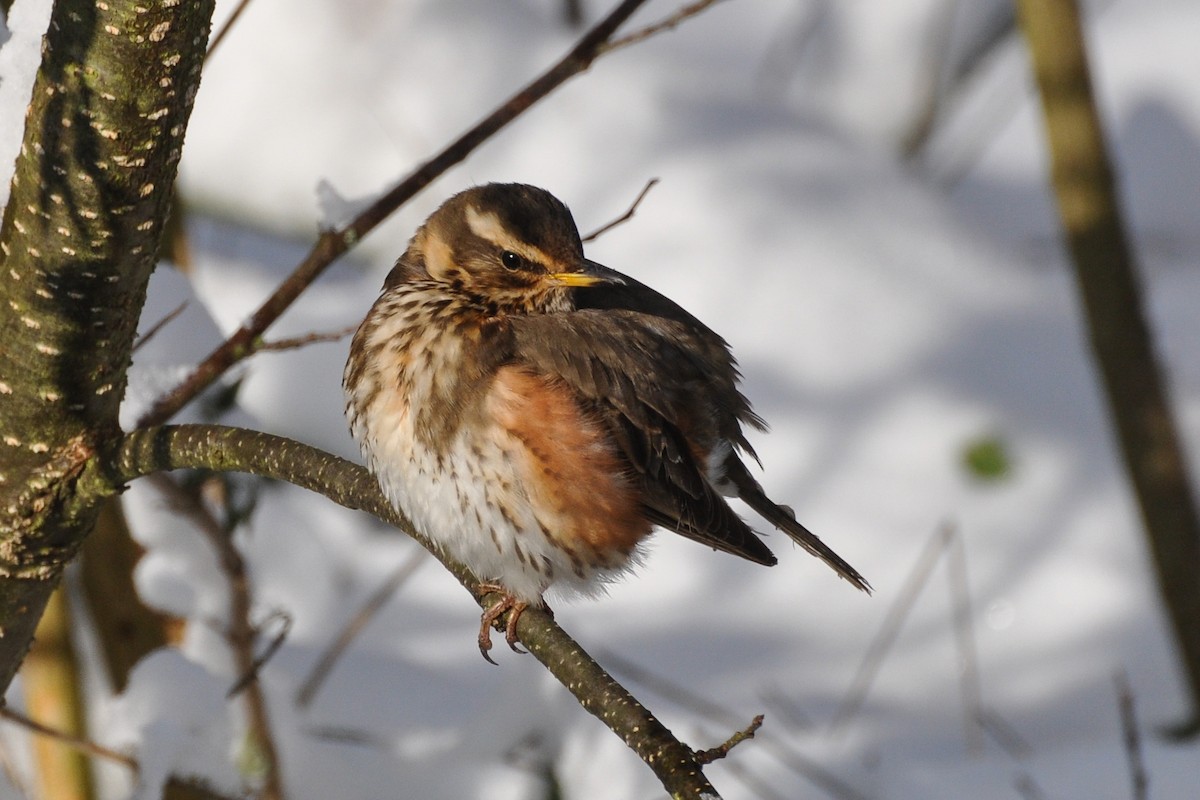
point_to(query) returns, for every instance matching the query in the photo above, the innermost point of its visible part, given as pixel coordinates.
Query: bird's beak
(590, 274)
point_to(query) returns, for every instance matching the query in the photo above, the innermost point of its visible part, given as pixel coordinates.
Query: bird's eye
(511, 260)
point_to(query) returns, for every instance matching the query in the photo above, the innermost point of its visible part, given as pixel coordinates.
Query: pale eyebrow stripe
(486, 225)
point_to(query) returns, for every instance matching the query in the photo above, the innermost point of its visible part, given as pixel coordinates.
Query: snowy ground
(886, 315)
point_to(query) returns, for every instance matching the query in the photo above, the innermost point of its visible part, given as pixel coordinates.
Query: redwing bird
(536, 414)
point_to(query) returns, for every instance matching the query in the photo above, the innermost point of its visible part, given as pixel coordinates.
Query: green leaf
(986, 458)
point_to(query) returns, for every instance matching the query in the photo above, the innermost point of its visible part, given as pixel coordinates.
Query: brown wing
(617, 361)
(627, 294)
(630, 295)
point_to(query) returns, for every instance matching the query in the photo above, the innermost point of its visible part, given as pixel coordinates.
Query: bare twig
(1028, 788)
(873, 657)
(189, 788)
(375, 602)
(964, 634)
(79, 743)
(573, 12)
(1139, 784)
(310, 338)
(267, 654)
(239, 631)
(637, 201)
(334, 243)
(219, 36)
(784, 708)
(665, 24)
(722, 750)
(158, 326)
(1004, 734)
(671, 690)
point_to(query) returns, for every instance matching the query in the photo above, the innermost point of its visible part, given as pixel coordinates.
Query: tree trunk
(78, 242)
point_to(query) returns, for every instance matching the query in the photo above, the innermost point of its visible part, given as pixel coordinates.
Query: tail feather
(783, 519)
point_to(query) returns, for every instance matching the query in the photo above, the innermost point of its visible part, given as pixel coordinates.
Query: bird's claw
(506, 604)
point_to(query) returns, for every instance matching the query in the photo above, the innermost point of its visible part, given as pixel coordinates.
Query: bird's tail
(783, 519)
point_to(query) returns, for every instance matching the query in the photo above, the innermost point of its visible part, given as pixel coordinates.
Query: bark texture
(80, 232)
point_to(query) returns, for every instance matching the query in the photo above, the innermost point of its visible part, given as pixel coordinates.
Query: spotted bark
(89, 198)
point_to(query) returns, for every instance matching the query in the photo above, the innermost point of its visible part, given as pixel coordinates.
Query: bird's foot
(506, 604)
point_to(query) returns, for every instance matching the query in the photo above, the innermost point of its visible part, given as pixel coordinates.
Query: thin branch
(628, 215)
(158, 326)
(240, 633)
(665, 24)
(268, 653)
(1132, 740)
(333, 243)
(310, 338)
(77, 742)
(219, 36)
(1004, 734)
(221, 448)
(970, 684)
(672, 691)
(1028, 788)
(354, 626)
(722, 750)
(890, 627)
(193, 788)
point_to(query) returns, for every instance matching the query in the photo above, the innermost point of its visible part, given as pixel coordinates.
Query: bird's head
(510, 245)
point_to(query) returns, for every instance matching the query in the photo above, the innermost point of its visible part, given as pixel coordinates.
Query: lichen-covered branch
(150, 450)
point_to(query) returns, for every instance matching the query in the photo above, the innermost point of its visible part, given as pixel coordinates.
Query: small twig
(219, 36)
(70, 740)
(573, 13)
(240, 632)
(970, 684)
(370, 608)
(665, 24)
(1003, 734)
(786, 709)
(873, 657)
(310, 338)
(341, 734)
(670, 690)
(158, 326)
(333, 243)
(1028, 788)
(722, 750)
(1139, 783)
(637, 201)
(267, 654)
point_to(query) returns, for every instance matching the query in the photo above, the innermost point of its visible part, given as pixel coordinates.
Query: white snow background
(886, 313)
